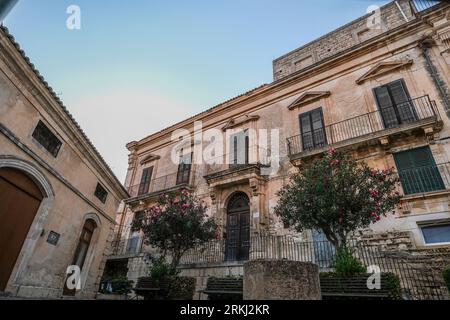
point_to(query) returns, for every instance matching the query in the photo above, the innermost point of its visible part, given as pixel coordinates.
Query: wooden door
(19, 202)
(238, 228)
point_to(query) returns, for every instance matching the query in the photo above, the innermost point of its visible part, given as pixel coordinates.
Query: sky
(135, 67)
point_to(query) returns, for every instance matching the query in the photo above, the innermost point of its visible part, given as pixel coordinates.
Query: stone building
(377, 87)
(58, 197)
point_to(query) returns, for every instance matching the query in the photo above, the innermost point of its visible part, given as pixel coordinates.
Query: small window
(436, 233)
(101, 193)
(47, 139)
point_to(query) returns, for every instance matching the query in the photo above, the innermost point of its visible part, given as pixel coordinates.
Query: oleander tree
(176, 223)
(337, 195)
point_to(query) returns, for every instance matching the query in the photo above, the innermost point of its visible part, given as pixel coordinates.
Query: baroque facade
(377, 88)
(58, 197)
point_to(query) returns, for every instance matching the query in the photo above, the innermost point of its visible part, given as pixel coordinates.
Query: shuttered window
(239, 153)
(145, 180)
(395, 104)
(101, 193)
(184, 168)
(418, 171)
(312, 130)
(47, 139)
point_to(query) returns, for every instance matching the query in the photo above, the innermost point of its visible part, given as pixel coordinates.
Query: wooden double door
(237, 246)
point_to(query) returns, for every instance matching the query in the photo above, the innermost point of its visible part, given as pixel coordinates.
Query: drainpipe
(439, 83)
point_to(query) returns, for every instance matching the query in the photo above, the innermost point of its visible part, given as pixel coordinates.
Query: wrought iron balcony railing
(130, 246)
(255, 155)
(395, 117)
(159, 184)
(425, 179)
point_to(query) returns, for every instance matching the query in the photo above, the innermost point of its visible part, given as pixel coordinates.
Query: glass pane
(436, 234)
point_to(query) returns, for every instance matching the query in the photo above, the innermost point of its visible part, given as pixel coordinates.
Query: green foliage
(162, 270)
(177, 223)
(446, 274)
(119, 285)
(393, 282)
(337, 195)
(348, 265)
(181, 288)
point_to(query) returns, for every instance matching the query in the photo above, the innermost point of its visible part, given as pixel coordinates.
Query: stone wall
(341, 39)
(203, 271)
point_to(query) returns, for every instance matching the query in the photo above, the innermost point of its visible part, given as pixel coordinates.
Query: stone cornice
(33, 85)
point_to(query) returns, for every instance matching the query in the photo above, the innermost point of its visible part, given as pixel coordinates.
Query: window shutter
(312, 129)
(418, 171)
(386, 107)
(145, 180)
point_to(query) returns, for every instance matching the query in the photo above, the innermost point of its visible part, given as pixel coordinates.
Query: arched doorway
(238, 228)
(81, 251)
(20, 199)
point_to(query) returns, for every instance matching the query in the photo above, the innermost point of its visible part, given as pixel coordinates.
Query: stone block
(281, 280)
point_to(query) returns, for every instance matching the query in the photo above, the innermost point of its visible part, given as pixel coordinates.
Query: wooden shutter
(386, 106)
(184, 169)
(418, 171)
(312, 130)
(239, 149)
(395, 104)
(145, 180)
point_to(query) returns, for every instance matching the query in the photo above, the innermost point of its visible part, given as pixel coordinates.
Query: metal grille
(397, 115)
(425, 179)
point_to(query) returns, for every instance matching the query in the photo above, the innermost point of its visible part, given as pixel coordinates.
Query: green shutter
(418, 171)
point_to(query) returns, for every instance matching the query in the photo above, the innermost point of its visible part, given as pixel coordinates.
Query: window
(395, 104)
(145, 180)
(239, 149)
(101, 193)
(418, 171)
(47, 139)
(312, 130)
(81, 250)
(184, 168)
(435, 233)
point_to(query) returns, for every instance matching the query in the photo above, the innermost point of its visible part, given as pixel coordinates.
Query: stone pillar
(281, 280)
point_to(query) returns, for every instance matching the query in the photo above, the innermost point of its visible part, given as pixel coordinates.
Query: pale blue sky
(140, 65)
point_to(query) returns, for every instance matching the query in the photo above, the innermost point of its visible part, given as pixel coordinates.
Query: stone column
(281, 280)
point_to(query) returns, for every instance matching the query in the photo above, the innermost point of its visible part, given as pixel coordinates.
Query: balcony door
(312, 130)
(395, 104)
(239, 149)
(418, 171)
(146, 177)
(238, 228)
(184, 168)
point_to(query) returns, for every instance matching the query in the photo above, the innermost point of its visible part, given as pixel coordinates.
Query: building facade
(377, 88)
(58, 197)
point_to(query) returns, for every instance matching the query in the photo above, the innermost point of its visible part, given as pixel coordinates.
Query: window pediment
(383, 68)
(235, 122)
(308, 97)
(149, 158)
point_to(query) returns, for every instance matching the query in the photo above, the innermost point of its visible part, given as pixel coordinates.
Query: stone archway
(25, 197)
(238, 228)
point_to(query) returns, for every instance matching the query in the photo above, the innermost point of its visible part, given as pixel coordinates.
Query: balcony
(127, 247)
(423, 5)
(237, 166)
(425, 180)
(418, 113)
(167, 183)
